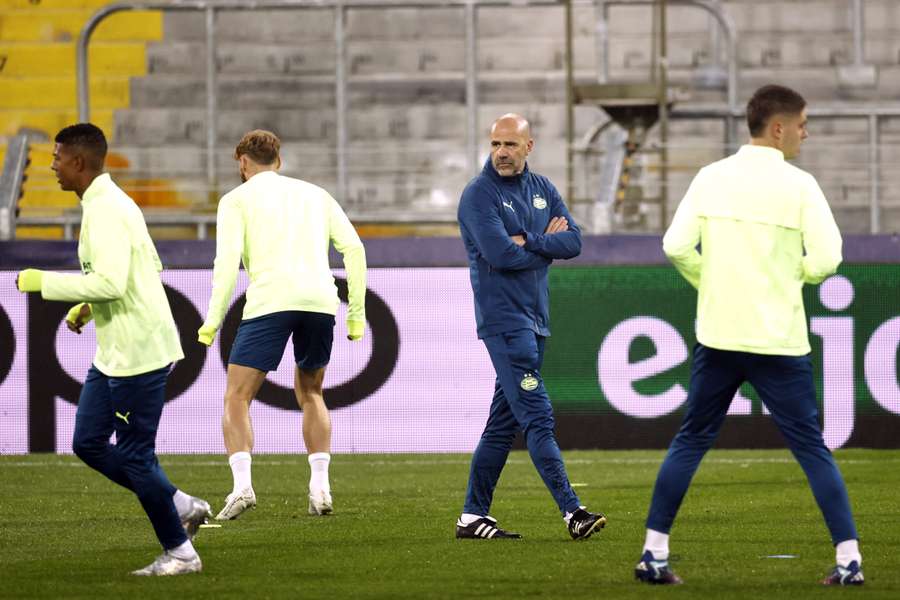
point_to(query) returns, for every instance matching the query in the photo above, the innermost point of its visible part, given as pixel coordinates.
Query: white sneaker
(320, 503)
(195, 517)
(236, 503)
(166, 564)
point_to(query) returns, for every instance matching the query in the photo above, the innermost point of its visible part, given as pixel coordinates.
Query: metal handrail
(711, 7)
(13, 174)
(873, 115)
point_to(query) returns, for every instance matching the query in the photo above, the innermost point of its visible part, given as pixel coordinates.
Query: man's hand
(29, 280)
(205, 335)
(355, 330)
(518, 240)
(78, 316)
(557, 225)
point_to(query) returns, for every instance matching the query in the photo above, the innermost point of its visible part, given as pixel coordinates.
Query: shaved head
(511, 144)
(513, 122)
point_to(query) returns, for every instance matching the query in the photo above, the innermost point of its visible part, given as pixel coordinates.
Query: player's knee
(539, 425)
(495, 437)
(697, 439)
(85, 448)
(237, 396)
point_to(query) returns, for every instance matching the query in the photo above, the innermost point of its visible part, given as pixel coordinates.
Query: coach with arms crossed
(513, 224)
(765, 229)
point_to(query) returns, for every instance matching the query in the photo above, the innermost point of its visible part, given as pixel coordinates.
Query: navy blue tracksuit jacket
(509, 281)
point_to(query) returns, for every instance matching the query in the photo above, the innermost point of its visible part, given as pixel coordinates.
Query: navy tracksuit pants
(785, 385)
(132, 407)
(520, 402)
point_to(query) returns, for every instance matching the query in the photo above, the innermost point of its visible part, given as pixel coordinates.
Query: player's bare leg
(241, 387)
(316, 436)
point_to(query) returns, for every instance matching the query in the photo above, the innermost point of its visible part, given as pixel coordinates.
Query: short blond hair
(261, 146)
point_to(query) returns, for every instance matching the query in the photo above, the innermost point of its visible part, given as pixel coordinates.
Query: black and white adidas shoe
(583, 523)
(484, 528)
(849, 575)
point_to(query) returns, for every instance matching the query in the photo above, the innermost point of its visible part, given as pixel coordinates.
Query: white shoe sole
(235, 506)
(320, 508)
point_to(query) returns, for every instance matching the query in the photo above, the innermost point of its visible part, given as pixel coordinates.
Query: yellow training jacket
(135, 329)
(753, 215)
(281, 228)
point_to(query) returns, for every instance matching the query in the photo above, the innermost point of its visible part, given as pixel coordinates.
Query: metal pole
(570, 107)
(856, 18)
(340, 98)
(663, 115)
(471, 16)
(81, 58)
(81, 68)
(14, 165)
(602, 40)
(211, 103)
(728, 28)
(715, 41)
(874, 173)
(654, 44)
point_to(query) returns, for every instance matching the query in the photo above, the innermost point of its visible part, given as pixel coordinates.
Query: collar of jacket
(98, 187)
(492, 173)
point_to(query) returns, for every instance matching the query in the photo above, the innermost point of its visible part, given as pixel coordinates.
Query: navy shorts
(260, 342)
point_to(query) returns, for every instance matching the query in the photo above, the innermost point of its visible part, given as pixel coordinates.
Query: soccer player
(513, 224)
(281, 228)
(765, 229)
(137, 342)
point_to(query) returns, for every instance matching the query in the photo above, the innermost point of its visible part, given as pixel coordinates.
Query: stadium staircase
(38, 91)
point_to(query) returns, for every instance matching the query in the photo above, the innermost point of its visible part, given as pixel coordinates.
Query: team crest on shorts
(539, 202)
(529, 382)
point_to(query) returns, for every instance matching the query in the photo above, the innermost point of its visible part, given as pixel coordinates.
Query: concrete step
(33, 5)
(301, 92)
(289, 26)
(64, 25)
(415, 122)
(50, 120)
(56, 59)
(59, 92)
(363, 57)
(817, 84)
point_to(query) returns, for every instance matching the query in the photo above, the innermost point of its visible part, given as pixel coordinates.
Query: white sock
(184, 552)
(658, 544)
(318, 472)
(848, 551)
(469, 518)
(240, 469)
(182, 502)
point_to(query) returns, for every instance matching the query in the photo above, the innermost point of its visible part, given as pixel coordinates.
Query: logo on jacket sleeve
(529, 382)
(539, 202)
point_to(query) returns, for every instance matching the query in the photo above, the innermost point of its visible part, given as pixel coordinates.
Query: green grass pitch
(66, 532)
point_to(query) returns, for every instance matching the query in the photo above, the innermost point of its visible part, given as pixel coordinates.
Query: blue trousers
(130, 406)
(785, 385)
(520, 402)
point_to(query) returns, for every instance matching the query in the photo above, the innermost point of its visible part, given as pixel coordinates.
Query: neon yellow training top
(281, 228)
(135, 329)
(753, 215)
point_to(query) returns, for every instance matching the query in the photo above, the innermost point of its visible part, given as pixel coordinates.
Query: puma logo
(508, 205)
(123, 417)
